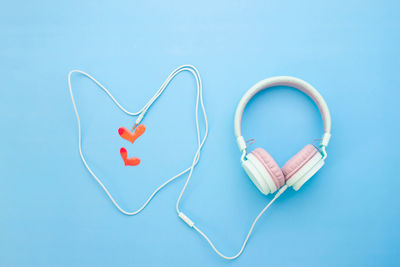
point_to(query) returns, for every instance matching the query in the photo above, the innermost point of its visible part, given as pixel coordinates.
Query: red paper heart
(128, 161)
(128, 135)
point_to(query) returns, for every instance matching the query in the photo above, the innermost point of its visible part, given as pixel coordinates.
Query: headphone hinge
(325, 139)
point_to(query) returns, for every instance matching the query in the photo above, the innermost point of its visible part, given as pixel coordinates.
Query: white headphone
(259, 165)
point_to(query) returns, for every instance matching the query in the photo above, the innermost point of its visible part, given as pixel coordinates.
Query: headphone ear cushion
(293, 165)
(270, 165)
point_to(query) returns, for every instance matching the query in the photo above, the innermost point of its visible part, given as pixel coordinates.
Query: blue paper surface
(54, 214)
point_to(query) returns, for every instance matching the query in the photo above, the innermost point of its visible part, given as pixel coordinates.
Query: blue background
(54, 214)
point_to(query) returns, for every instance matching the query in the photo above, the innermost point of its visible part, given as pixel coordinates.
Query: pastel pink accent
(294, 164)
(299, 87)
(270, 166)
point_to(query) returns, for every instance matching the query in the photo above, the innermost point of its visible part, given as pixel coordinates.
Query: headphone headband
(293, 82)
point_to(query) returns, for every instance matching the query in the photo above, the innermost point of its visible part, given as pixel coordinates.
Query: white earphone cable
(248, 234)
(200, 143)
(141, 112)
(192, 225)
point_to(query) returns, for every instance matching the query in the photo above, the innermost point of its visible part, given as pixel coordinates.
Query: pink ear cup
(270, 165)
(294, 164)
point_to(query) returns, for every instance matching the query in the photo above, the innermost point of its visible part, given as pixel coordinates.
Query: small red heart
(128, 135)
(128, 161)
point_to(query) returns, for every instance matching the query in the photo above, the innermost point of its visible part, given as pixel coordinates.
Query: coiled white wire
(143, 110)
(200, 143)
